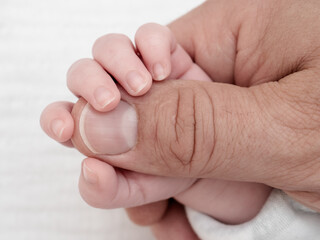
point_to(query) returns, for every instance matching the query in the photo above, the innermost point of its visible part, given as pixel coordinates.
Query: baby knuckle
(152, 34)
(82, 67)
(109, 44)
(144, 28)
(150, 27)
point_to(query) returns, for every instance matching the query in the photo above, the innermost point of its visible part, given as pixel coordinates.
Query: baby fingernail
(158, 72)
(136, 82)
(103, 96)
(112, 132)
(57, 127)
(89, 175)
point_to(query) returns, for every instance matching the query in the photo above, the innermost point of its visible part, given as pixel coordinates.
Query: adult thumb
(199, 129)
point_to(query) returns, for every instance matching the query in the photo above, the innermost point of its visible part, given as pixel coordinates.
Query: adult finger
(202, 129)
(209, 35)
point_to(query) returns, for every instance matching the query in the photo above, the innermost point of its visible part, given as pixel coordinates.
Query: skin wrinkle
(174, 44)
(245, 64)
(172, 150)
(296, 113)
(217, 46)
(230, 151)
(234, 38)
(138, 187)
(157, 134)
(201, 49)
(241, 63)
(314, 104)
(156, 128)
(307, 171)
(160, 150)
(195, 128)
(185, 134)
(258, 92)
(302, 173)
(177, 117)
(302, 110)
(97, 203)
(284, 173)
(303, 179)
(269, 117)
(244, 73)
(288, 64)
(192, 51)
(114, 197)
(263, 119)
(129, 183)
(291, 68)
(182, 117)
(177, 125)
(234, 152)
(205, 168)
(179, 195)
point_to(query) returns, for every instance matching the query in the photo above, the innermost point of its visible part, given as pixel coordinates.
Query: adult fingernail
(89, 175)
(158, 72)
(57, 127)
(136, 82)
(112, 132)
(103, 96)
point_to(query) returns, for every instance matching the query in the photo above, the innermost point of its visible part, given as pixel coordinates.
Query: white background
(39, 40)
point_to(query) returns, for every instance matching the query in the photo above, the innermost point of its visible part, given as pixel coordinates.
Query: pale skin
(230, 202)
(273, 46)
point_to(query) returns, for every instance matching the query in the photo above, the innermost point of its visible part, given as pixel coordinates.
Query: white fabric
(39, 39)
(281, 218)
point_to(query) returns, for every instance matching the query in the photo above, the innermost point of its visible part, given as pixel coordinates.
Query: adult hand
(267, 133)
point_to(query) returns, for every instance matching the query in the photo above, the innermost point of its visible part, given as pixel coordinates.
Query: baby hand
(156, 56)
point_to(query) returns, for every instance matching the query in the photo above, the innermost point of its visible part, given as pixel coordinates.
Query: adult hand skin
(268, 132)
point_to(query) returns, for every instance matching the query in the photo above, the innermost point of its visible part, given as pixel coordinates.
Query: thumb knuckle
(189, 140)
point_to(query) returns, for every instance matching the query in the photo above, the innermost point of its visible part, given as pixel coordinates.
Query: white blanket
(39, 39)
